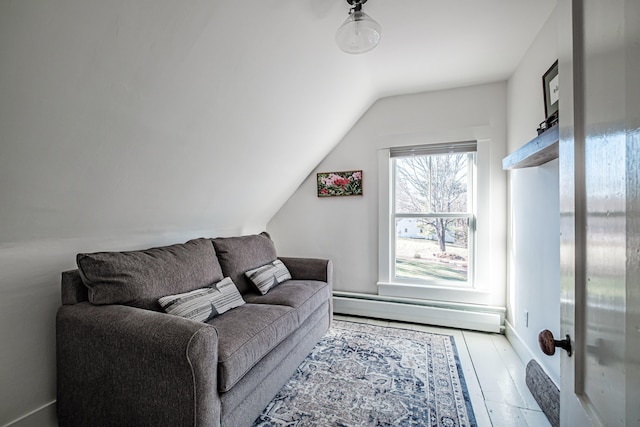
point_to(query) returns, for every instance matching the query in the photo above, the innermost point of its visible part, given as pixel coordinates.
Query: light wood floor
(493, 372)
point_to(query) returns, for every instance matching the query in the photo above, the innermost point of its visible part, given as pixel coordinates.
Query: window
(432, 214)
(484, 217)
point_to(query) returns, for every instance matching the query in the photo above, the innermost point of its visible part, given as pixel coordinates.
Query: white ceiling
(165, 114)
(437, 44)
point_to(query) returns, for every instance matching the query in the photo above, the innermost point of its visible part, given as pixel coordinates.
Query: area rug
(364, 375)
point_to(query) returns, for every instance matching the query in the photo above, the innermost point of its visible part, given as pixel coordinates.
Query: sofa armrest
(309, 269)
(120, 365)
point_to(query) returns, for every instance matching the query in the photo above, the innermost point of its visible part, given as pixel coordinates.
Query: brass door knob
(548, 344)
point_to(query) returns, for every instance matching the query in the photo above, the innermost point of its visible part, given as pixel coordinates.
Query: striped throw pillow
(203, 304)
(268, 276)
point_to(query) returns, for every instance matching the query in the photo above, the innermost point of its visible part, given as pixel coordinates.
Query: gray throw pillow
(204, 304)
(268, 276)
(240, 254)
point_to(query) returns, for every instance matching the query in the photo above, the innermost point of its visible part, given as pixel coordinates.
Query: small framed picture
(348, 183)
(551, 89)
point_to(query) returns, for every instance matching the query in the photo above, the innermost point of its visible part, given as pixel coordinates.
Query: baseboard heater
(436, 313)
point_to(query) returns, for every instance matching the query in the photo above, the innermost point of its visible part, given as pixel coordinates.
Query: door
(599, 74)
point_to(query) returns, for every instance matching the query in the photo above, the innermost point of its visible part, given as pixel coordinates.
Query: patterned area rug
(364, 375)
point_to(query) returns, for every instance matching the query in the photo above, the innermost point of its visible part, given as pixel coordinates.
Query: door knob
(548, 344)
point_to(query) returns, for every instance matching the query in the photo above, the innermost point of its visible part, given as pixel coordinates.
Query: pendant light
(359, 33)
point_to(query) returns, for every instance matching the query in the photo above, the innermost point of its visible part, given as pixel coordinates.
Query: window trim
(488, 273)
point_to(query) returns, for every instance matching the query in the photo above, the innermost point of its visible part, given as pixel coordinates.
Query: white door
(599, 73)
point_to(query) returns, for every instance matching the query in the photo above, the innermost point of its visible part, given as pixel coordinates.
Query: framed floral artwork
(347, 183)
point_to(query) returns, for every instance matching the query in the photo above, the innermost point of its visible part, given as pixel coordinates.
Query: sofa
(124, 360)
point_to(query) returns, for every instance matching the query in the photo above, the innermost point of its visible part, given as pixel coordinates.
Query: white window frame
(478, 289)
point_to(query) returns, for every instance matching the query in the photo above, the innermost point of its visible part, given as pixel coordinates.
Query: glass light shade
(359, 33)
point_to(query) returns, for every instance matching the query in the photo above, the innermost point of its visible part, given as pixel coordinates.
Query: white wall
(130, 124)
(534, 213)
(345, 229)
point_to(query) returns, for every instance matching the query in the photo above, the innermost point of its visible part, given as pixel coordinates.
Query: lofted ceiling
(429, 45)
(165, 114)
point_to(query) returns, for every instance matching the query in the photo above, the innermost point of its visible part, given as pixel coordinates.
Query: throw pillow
(203, 304)
(240, 254)
(268, 276)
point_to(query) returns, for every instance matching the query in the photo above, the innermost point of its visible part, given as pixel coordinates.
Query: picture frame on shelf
(551, 91)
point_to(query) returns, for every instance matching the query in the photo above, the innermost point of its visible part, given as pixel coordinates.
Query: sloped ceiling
(148, 115)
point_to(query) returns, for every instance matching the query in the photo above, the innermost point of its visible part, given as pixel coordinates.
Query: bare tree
(432, 184)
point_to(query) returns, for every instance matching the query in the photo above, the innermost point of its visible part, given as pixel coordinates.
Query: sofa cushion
(203, 304)
(245, 335)
(139, 278)
(268, 276)
(238, 255)
(303, 295)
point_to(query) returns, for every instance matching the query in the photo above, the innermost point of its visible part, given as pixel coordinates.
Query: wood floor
(494, 374)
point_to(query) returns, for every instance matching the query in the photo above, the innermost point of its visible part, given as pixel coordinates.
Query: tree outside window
(433, 196)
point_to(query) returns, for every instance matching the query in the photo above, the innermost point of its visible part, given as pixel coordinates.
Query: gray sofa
(123, 361)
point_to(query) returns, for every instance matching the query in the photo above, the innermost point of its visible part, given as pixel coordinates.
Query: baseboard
(44, 416)
(463, 316)
(522, 350)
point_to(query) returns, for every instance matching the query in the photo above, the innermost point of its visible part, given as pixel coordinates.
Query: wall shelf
(539, 150)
